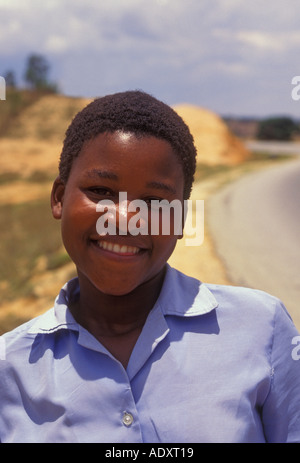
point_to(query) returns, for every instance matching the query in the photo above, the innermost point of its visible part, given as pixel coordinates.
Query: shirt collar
(59, 317)
(181, 295)
(185, 296)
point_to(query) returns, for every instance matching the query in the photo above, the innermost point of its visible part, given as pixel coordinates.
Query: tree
(36, 73)
(276, 128)
(10, 79)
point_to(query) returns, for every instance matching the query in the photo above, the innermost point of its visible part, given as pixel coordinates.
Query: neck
(108, 315)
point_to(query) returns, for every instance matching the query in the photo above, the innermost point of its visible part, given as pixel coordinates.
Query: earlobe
(57, 195)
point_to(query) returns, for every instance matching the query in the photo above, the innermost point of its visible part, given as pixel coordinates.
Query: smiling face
(144, 168)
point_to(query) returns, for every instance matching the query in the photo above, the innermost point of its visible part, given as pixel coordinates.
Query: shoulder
(237, 308)
(255, 315)
(248, 302)
(18, 341)
(228, 299)
(244, 299)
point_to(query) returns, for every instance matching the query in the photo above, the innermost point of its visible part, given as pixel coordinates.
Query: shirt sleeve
(281, 411)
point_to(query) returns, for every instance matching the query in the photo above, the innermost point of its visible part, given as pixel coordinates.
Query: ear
(57, 196)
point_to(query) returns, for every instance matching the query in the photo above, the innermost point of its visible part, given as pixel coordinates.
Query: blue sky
(231, 56)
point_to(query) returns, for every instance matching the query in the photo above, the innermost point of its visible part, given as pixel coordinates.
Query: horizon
(232, 58)
(238, 117)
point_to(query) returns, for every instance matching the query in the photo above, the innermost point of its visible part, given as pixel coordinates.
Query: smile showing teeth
(117, 248)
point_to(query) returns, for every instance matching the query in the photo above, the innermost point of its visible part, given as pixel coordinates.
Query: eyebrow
(95, 173)
(161, 186)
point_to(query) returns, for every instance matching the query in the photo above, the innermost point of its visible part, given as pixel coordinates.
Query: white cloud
(276, 42)
(178, 47)
(56, 44)
(260, 40)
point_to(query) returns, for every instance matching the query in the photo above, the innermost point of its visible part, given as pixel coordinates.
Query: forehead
(122, 151)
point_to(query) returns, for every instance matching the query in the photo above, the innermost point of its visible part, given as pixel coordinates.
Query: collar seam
(189, 313)
(41, 330)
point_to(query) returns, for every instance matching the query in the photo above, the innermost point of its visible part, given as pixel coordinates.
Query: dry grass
(215, 144)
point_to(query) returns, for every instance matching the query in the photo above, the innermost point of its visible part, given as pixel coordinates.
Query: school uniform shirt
(213, 364)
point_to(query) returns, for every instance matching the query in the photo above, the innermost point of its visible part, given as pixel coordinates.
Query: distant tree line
(280, 128)
(277, 128)
(36, 75)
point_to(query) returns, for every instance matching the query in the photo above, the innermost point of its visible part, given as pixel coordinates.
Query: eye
(154, 202)
(100, 191)
(148, 199)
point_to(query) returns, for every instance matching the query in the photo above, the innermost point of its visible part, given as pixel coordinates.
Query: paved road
(255, 224)
(274, 147)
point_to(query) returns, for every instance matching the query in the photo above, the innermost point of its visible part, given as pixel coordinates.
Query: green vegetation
(28, 231)
(37, 73)
(16, 101)
(36, 77)
(277, 128)
(38, 176)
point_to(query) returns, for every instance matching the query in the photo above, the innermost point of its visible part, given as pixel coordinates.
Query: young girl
(133, 350)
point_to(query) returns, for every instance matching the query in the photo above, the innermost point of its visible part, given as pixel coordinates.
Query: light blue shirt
(212, 364)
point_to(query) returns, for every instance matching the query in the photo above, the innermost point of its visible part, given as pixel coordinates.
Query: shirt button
(127, 419)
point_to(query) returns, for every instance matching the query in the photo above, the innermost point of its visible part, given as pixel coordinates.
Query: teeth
(117, 248)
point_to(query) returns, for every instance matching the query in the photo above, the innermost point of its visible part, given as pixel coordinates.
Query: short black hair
(130, 111)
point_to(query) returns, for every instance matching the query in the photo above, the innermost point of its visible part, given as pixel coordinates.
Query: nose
(122, 217)
(132, 217)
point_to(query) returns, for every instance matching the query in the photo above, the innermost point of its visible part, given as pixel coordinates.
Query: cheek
(79, 217)
(163, 246)
(169, 221)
